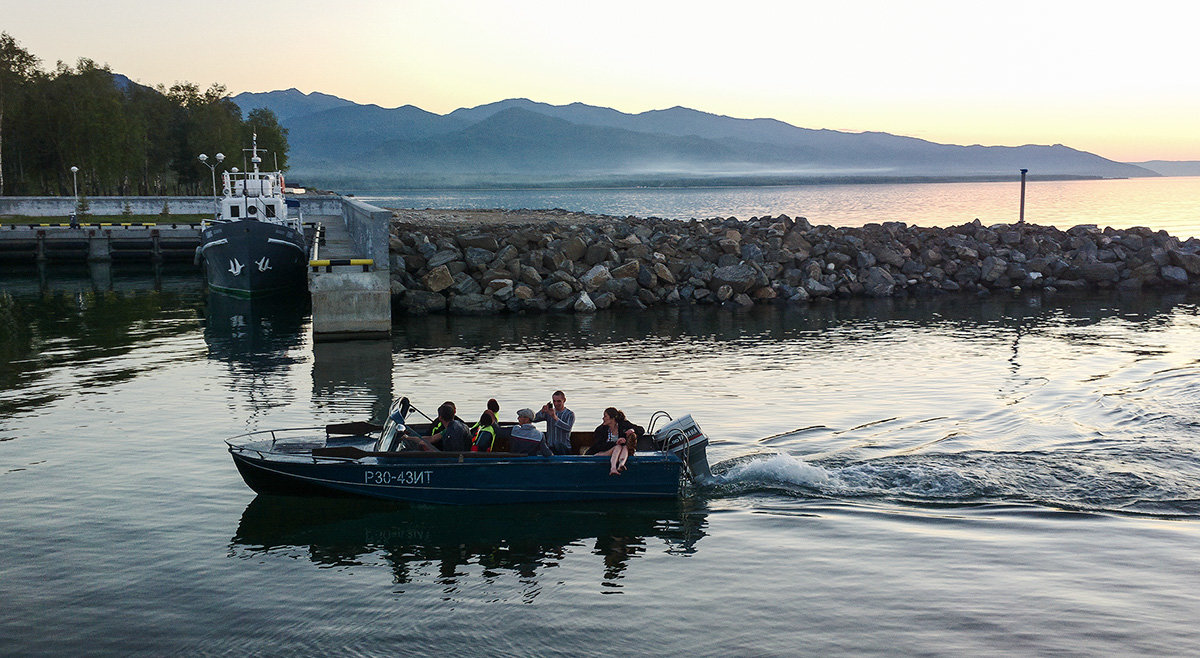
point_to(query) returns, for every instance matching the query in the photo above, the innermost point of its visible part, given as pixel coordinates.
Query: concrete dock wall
(368, 227)
(61, 206)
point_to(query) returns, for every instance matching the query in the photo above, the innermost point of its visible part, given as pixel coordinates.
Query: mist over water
(956, 476)
(1171, 204)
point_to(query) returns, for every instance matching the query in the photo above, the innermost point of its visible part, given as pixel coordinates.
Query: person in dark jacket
(454, 436)
(615, 437)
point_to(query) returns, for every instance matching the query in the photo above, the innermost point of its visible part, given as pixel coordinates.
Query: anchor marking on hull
(264, 264)
(235, 267)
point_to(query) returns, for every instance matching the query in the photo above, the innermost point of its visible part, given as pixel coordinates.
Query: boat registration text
(398, 477)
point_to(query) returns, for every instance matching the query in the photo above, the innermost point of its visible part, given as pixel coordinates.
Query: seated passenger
(437, 423)
(527, 439)
(484, 439)
(454, 436)
(616, 437)
(493, 407)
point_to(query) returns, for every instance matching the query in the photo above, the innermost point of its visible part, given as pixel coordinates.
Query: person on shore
(527, 439)
(453, 437)
(559, 421)
(484, 436)
(617, 438)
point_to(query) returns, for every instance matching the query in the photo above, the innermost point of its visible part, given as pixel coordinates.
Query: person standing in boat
(527, 439)
(615, 437)
(559, 421)
(453, 437)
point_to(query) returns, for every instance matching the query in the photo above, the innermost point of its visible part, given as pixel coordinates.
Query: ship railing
(239, 443)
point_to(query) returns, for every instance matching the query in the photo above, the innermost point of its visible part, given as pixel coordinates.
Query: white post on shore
(1021, 220)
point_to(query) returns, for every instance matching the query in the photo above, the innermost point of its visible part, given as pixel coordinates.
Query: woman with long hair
(617, 438)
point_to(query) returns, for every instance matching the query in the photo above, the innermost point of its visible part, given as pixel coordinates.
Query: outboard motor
(684, 438)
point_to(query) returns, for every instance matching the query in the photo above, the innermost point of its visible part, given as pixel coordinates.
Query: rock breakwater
(601, 262)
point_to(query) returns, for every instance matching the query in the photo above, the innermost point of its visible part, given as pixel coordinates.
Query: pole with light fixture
(212, 168)
(73, 217)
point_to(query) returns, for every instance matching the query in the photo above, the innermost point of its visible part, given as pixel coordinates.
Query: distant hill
(1171, 167)
(523, 142)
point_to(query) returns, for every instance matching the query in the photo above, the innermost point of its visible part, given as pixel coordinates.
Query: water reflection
(73, 328)
(259, 340)
(353, 378)
(524, 540)
(993, 316)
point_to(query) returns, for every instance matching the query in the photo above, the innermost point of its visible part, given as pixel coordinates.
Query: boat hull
(249, 258)
(447, 480)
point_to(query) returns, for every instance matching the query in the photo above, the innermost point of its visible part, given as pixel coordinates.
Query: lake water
(1172, 204)
(944, 477)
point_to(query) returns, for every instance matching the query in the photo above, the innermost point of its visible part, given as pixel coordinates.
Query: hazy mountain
(1171, 167)
(519, 141)
(289, 103)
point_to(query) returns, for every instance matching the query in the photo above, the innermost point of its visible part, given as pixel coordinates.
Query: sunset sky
(1118, 82)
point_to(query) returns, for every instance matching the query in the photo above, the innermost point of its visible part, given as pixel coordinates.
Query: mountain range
(519, 142)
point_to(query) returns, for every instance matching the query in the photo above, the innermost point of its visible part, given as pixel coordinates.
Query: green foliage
(127, 210)
(83, 206)
(125, 139)
(166, 209)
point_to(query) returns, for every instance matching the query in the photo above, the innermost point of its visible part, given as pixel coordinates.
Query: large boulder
(584, 304)
(478, 258)
(879, 283)
(475, 304)
(559, 290)
(596, 277)
(1174, 276)
(1100, 272)
(627, 270)
(574, 248)
(442, 257)
(438, 279)
(739, 277)
(664, 273)
(479, 240)
(420, 302)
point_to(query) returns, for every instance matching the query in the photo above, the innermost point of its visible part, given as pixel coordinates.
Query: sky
(1118, 80)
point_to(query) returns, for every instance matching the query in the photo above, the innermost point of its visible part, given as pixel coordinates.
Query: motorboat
(255, 243)
(377, 461)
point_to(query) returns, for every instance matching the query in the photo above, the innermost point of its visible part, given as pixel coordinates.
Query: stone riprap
(602, 262)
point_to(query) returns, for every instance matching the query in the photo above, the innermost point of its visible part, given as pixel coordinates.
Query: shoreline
(482, 262)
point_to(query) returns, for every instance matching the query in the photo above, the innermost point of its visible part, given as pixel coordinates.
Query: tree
(17, 66)
(272, 137)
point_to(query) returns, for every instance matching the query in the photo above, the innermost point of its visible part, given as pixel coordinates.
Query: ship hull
(250, 258)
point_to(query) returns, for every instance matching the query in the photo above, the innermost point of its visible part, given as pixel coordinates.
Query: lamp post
(75, 189)
(213, 170)
(1021, 220)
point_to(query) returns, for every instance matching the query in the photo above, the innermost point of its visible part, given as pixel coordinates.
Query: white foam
(777, 468)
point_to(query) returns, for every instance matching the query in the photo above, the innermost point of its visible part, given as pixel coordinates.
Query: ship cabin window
(234, 211)
(270, 210)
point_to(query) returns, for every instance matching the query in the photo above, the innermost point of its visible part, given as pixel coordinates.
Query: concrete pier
(348, 274)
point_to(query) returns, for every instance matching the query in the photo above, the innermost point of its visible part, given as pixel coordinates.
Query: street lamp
(75, 189)
(213, 170)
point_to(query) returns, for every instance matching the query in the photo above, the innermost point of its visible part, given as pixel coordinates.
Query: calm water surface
(947, 477)
(1172, 204)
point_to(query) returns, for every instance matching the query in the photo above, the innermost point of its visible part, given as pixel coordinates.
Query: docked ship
(255, 245)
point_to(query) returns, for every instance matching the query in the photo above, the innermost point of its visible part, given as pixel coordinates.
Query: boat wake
(1062, 481)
